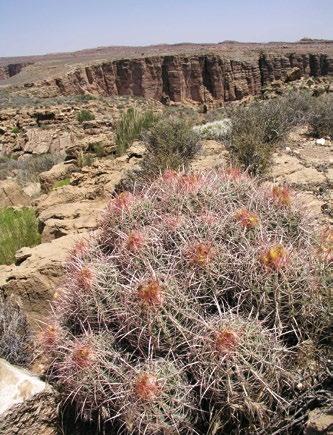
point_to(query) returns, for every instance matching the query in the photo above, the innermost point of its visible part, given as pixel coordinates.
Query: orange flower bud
(281, 195)
(201, 254)
(225, 340)
(247, 219)
(146, 387)
(274, 257)
(151, 293)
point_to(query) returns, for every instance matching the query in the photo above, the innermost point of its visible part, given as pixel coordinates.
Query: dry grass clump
(130, 126)
(27, 170)
(15, 334)
(188, 305)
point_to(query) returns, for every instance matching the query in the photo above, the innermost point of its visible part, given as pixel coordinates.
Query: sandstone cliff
(198, 78)
(10, 70)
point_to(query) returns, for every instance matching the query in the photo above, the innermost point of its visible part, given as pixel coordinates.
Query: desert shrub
(97, 148)
(18, 228)
(84, 159)
(190, 115)
(187, 305)
(216, 130)
(62, 183)
(321, 117)
(130, 126)
(28, 169)
(85, 115)
(15, 335)
(170, 144)
(257, 129)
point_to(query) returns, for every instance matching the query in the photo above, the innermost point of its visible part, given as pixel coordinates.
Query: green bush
(84, 159)
(61, 183)
(85, 115)
(18, 228)
(171, 144)
(131, 124)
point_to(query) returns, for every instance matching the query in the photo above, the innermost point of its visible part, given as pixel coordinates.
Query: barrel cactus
(189, 299)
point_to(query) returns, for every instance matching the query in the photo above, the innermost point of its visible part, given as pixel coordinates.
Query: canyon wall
(198, 78)
(10, 70)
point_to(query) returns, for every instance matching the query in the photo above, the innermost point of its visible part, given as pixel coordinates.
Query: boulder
(56, 173)
(27, 405)
(12, 194)
(320, 422)
(32, 189)
(41, 141)
(293, 74)
(69, 194)
(37, 272)
(69, 218)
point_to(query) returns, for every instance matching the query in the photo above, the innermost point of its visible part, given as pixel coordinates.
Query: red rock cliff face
(12, 69)
(197, 78)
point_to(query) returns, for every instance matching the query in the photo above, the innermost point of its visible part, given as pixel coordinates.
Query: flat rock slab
(28, 406)
(289, 169)
(70, 218)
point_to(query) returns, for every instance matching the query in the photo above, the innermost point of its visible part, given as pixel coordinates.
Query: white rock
(321, 141)
(28, 406)
(288, 149)
(16, 385)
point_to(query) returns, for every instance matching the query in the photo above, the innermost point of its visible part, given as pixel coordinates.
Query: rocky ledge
(200, 78)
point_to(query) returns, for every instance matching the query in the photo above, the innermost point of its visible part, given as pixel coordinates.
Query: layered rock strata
(199, 78)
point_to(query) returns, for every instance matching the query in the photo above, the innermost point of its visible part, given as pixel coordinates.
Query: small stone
(321, 141)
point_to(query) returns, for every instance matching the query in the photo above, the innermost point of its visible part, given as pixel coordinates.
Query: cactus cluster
(189, 301)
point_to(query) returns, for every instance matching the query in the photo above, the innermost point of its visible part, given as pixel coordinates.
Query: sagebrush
(170, 144)
(257, 129)
(187, 307)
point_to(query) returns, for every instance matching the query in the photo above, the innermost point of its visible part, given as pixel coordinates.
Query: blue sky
(44, 26)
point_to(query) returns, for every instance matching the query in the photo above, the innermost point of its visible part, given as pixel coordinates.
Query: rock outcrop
(58, 172)
(12, 194)
(320, 422)
(12, 69)
(27, 404)
(55, 128)
(197, 78)
(38, 271)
